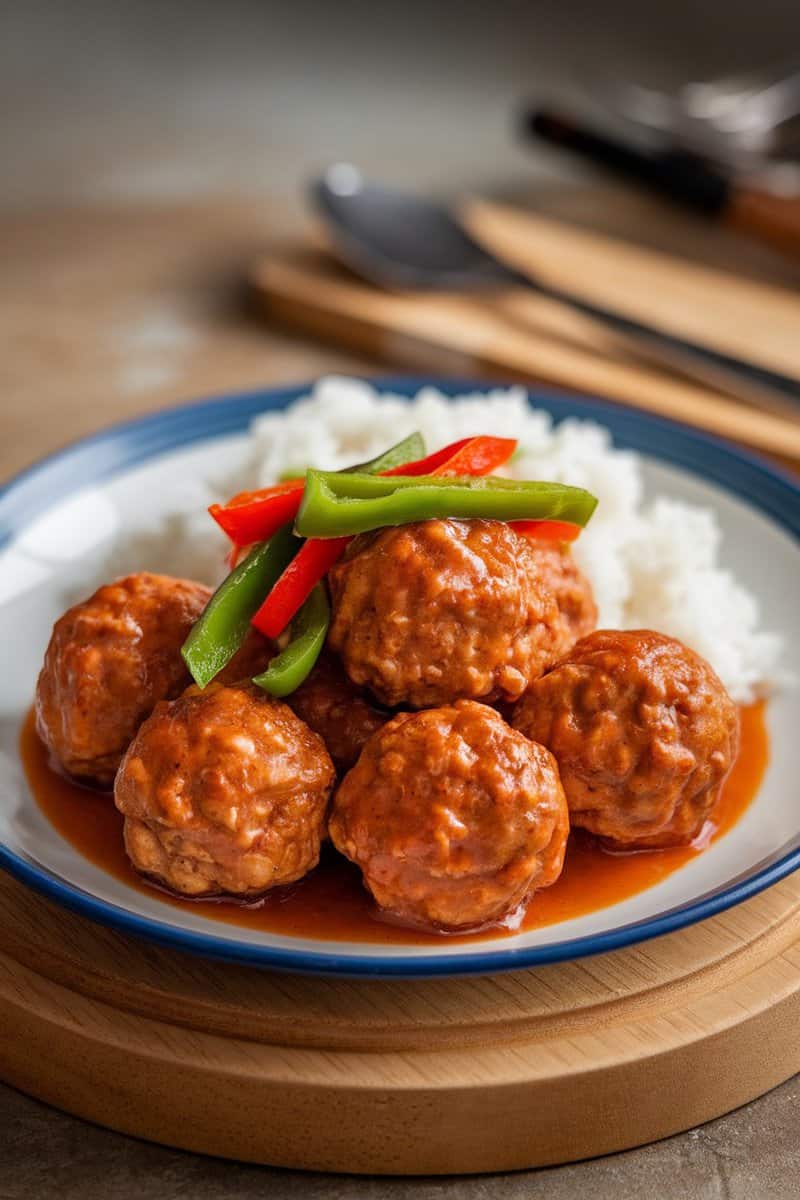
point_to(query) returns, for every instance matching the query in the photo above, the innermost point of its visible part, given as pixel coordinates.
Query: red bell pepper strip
(309, 566)
(478, 456)
(244, 499)
(251, 516)
(427, 465)
(255, 516)
(470, 456)
(552, 531)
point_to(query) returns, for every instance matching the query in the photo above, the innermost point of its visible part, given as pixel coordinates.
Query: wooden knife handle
(774, 219)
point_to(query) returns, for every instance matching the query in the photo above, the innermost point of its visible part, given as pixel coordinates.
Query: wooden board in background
(756, 321)
(532, 338)
(400, 1077)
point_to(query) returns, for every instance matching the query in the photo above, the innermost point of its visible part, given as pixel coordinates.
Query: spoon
(399, 240)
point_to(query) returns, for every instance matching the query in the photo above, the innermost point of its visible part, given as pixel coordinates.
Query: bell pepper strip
(429, 464)
(254, 516)
(335, 505)
(236, 554)
(292, 483)
(469, 456)
(304, 572)
(479, 456)
(316, 557)
(220, 630)
(292, 666)
(474, 455)
(551, 531)
(410, 449)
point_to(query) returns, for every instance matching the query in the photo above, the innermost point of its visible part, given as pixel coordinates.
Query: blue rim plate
(122, 447)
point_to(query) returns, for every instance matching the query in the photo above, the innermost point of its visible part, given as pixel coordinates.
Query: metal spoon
(399, 240)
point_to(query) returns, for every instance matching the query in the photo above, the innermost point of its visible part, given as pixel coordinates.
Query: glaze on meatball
(643, 732)
(573, 592)
(109, 661)
(253, 656)
(452, 816)
(224, 792)
(337, 710)
(436, 611)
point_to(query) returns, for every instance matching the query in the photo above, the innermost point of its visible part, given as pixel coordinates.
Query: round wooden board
(409, 1077)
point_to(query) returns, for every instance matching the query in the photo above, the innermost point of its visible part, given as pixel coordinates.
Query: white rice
(653, 565)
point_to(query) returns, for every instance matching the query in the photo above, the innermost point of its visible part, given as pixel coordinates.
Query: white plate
(60, 522)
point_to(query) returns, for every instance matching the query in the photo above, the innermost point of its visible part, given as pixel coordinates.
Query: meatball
(224, 791)
(452, 816)
(253, 656)
(337, 710)
(572, 590)
(643, 732)
(436, 611)
(109, 661)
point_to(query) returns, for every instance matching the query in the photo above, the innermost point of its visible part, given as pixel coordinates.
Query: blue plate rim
(123, 446)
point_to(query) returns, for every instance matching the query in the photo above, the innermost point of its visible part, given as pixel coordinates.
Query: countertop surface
(124, 235)
(749, 1155)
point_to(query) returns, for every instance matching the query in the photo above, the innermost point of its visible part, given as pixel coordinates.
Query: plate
(60, 519)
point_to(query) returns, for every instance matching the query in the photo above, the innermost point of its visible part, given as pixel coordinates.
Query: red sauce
(331, 903)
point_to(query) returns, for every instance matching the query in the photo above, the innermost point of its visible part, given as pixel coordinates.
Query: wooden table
(111, 313)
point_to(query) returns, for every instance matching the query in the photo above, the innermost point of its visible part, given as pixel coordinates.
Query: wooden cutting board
(400, 1077)
(528, 337)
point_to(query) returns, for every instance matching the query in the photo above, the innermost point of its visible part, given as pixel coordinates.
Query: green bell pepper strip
(308, 631)
(337, 504)
(310, 624)
(409, 450)
(220, 630)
